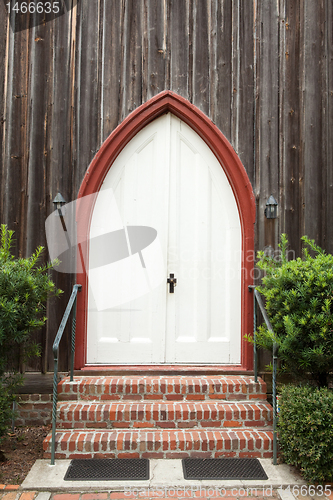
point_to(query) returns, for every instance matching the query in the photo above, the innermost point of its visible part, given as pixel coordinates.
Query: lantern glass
(271, 208)
(59, 203)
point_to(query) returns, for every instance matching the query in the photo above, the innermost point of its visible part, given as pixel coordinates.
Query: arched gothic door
(167, 282)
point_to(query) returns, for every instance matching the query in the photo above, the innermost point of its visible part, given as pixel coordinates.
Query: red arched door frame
(165, 102)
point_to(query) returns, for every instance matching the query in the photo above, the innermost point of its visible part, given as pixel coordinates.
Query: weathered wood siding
(262, 70)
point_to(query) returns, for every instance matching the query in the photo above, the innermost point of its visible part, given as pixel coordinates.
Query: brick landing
(162, 417)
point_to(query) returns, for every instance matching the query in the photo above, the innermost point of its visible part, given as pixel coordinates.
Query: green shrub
(305, 428)
(299, 303)
(24, 288)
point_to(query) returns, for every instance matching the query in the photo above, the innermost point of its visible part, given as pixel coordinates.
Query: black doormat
(223, 468)
(108, 469)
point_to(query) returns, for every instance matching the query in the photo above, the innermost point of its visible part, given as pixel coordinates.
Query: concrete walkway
(164, 474)
(45, 482)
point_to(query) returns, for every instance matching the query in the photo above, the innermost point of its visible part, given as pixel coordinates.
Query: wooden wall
(260, 69)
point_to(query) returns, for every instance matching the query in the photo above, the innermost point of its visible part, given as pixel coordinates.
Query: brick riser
(163, 415)
(162, 444)
(229, 388)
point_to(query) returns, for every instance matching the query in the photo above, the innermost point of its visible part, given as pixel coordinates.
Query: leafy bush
(299, 295)
(306, 431)
(24, 288)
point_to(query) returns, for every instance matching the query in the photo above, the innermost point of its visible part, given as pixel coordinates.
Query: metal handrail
(70, 305)
(257, 300)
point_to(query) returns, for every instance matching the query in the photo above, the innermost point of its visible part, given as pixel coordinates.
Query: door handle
(172, 282)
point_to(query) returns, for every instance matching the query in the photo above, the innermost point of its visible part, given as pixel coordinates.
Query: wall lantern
(271, 209)
(59, 202)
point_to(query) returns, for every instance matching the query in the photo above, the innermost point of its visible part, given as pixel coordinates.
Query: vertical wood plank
(221, 63)
(88, 82)
(158, 49)
(313, 87)
(267, 122)
(38, 164)
(291, 166)
(181, 58)
(329, 125)
(113, 20)
(235, 72)
(4, 41)
(131, 87)
(201, 54)
(15, 150)
(243, 89)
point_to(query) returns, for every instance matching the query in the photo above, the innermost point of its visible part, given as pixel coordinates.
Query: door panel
(168, 179)
(205, 243)
(132, 331)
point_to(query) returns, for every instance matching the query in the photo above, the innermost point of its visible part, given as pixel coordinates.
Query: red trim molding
(165, 102)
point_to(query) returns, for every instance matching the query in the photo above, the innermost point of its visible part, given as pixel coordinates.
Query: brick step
(167, 388)
(161, 414)
(153, 443)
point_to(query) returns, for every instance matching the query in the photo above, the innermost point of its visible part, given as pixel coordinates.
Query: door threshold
(94, 370)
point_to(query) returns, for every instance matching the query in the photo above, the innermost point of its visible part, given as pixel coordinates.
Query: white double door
(167, 207)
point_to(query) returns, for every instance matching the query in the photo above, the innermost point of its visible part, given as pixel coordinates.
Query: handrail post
(257, 298)
(73, 335)
(255, 354)
(274, 405)
(54, 407)
(72, 302)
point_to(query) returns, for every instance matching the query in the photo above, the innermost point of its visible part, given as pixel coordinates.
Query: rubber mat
(223, 468)
(105, 469)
